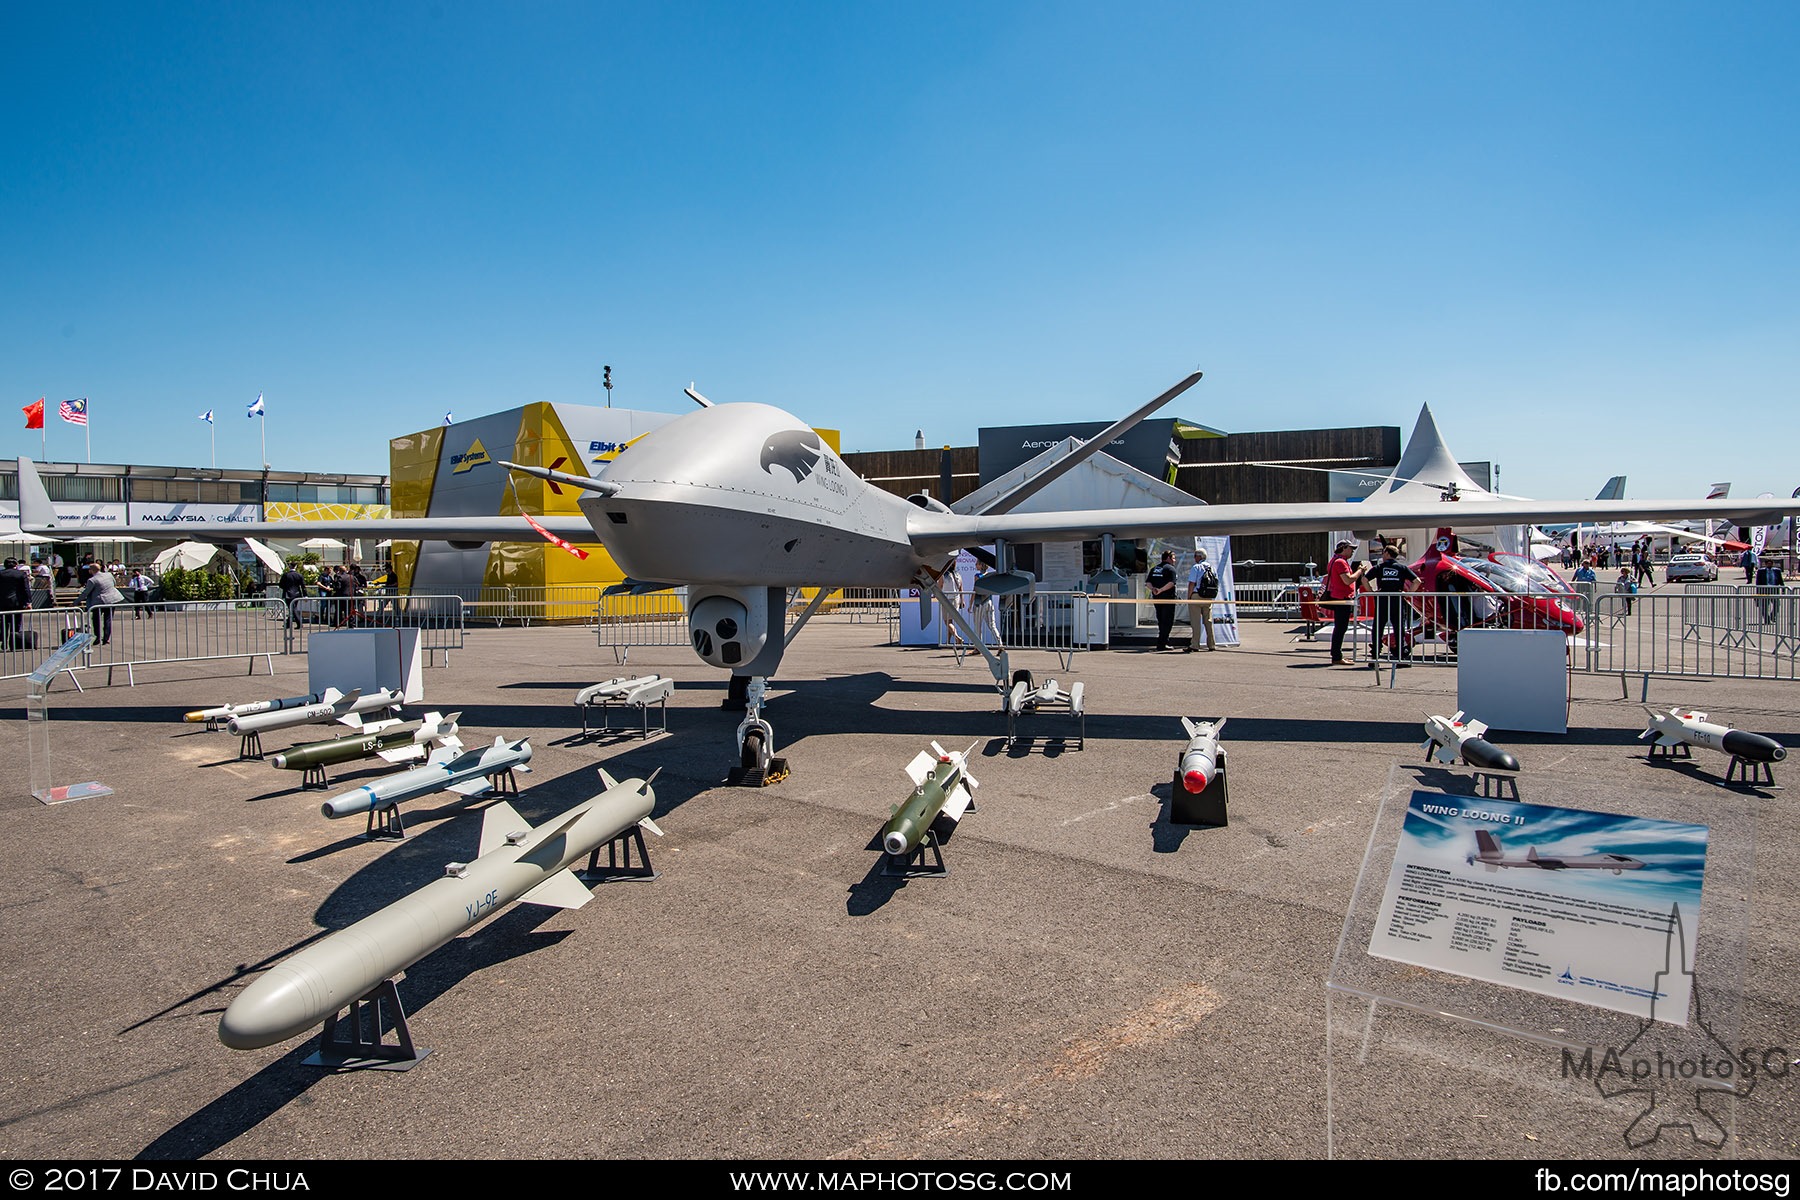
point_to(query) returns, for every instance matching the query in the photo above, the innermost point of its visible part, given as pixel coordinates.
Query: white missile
(1200, 761)
(469, 773)
(515, 863)
(1685, 727)
(227, 711)
(638, 690)
(343, 707)
(1451, 738)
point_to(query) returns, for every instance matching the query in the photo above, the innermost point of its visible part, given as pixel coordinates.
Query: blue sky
(1570, 229)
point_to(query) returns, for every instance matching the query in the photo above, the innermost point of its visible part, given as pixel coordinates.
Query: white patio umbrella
(264, 555)
(322, 543)
(190, 556)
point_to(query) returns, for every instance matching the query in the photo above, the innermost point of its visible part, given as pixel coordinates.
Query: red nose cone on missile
(1196, 781)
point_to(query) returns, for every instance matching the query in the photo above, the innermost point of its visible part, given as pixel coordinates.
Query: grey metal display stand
(37, 718)
(1552, 1073)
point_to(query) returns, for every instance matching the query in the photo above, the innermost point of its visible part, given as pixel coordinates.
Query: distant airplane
(1614, 490)
(1492, 857)
(740, 503)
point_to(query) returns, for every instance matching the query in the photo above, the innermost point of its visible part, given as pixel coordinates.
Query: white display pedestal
(37, 727)
(369, 659)
(1514, 679)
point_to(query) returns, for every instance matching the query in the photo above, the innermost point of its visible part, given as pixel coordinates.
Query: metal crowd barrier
(1706, 631)
(655, 619)
(1053, 621)
(129, 636)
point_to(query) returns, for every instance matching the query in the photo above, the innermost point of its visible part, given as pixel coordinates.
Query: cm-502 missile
(942, 792)
(469, 773)
(1685, 727)
(343, 707)
(1450, 738)
(516, 862)
(396, 743)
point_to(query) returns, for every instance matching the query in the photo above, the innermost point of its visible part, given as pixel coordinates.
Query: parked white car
(1692, 567)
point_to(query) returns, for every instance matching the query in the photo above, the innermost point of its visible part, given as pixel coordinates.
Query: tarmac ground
(1089, 980)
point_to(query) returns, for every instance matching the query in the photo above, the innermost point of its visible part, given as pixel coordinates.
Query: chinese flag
(34, 414)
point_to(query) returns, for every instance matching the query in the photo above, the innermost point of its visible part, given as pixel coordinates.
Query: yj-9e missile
(1448, 739)
(227, 711)
(625, 690)
(515, 863)
(942, 791)
(469, 773)
(1200, 761)
(394, 742)
(1685, 727)
(343, 707)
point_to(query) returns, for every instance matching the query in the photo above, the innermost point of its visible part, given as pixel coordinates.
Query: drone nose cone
(282, 1003)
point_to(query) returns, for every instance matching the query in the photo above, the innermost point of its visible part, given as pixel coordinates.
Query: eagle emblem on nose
(794, 450)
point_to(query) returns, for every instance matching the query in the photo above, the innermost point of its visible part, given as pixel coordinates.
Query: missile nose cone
(280, 761)
(1478, 752)
(1753, 746)
(274, 1008)
(894, 843)
(1195, 781)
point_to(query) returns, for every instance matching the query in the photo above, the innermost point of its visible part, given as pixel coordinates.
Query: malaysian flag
(74, 411)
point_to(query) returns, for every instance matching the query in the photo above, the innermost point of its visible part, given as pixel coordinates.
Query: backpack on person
(1208, 587)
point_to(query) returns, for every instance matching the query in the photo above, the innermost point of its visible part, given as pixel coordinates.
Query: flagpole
(214, 429)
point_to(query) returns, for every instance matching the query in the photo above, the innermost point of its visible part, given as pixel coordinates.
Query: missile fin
(400, 754)
(472, 787)
(561, 890)
(647, 823)
(607, 780)
(499, 820)
(919, 769)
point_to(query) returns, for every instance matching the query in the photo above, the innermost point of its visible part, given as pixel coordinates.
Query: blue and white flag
(256, 409)
(448, 418)
(207, 416)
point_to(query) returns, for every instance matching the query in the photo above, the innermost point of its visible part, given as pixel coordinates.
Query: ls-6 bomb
(393, 742)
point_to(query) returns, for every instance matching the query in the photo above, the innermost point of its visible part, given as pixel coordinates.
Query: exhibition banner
(1593, 907)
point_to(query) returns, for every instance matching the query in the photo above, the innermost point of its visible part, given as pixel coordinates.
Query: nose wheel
(757, 765)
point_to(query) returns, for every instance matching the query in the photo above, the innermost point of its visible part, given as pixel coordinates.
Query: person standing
(1748, 562)
(99, 592)
(43, 586)
(1392, 578)
(1769, 582)
(15, 598)
(1641, 564)
(1161, 582)
(140, 584)
(293, 590)
(1343, 579)
(1626, 586)
(1203, 589)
